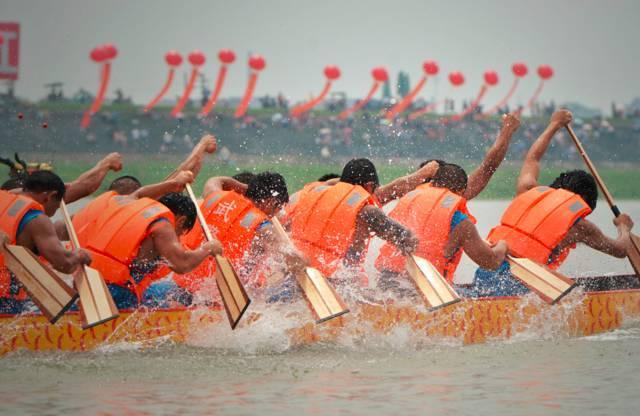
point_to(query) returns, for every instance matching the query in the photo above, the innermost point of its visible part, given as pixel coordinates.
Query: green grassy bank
(623, 182)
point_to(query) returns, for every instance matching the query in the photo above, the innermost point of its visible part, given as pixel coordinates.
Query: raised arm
(480, 177)
(181, 260)
(43, 234)
(223, 183)
(590, 234)
(531, 166)
(405, 184)
(193, 162)
(90, 181)
(158, 190)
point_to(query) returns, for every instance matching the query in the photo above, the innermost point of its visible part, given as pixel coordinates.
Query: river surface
(258, 373)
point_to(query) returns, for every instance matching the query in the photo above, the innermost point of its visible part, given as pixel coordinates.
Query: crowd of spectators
(319, 134)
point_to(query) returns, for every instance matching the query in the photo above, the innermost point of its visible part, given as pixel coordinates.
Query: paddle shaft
(594, 172)
(203, 222)
(70, 230)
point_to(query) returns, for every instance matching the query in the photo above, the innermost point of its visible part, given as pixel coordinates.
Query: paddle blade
(234, 296)
(96, 303)
(47, 290)
(550, 285)
(433, 288)
(633, 253)
(322, 299)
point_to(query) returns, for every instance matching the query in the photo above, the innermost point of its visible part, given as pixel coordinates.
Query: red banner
(9, 50)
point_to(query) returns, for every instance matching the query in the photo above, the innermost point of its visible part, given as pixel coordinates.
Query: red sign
(9, 50)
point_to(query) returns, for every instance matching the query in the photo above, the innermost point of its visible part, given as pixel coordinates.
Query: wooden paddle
(96, 304)
(633, 249)
(324, 302)
(47, 290)
(432, 286)
(233, 294)
(550, 285)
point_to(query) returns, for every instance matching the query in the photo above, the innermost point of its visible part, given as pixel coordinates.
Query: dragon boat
(597, 305)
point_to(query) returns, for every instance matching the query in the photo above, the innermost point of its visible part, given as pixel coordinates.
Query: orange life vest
(233, 220)
(324, 223)
(114, 235)
(537, 221)
(90, 213)
(427, 211)
(294, 200)
(13, 208)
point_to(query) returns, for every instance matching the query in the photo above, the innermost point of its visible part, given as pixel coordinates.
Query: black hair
(579, 182)
(360, 172)
(125, 185)
(426, 162)
(450, 176)
(244, 177)
(328, 176)
(45, 181)
(182, 205)
(13, 183)
(268, 185)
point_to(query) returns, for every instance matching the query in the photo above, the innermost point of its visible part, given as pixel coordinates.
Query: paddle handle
(69, 224)
(594, 172)
(71, 231)
(203, 222)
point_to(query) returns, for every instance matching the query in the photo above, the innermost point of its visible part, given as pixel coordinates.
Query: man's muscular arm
(156, 191)
(388, 229)
(223, 183)
(268, 240)
(530, 171)
(90, 181)
(181, 260)
(466, 235)
(480, 177)
(193, 162)
(405, 184)
(43, 234)
(590, 234)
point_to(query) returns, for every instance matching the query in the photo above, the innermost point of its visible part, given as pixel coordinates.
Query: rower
(25, 220)
(333, 223)
(132, 235)
(240, 216)
(543, 223)
(437, 212)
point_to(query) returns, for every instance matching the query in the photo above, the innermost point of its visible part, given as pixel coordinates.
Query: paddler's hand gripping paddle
(233, 294)
(324, 302)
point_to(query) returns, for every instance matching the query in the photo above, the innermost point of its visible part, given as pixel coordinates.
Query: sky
(592, 45)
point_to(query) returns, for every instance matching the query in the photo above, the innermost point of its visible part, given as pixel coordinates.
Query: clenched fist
(561, 118)
(113, 161)
(510, 122)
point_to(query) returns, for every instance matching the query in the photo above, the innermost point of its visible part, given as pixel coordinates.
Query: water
(257, 372)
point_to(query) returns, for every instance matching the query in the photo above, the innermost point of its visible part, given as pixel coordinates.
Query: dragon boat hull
(470, 321)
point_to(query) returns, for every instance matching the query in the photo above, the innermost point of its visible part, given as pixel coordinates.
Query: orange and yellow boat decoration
(468, 322)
